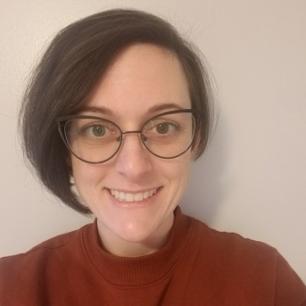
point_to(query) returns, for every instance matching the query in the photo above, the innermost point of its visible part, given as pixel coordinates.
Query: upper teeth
(132, 196)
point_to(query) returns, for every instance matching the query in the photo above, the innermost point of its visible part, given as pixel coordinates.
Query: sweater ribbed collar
(143, 270)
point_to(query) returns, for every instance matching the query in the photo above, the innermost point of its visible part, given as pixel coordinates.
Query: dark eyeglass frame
(62, 121)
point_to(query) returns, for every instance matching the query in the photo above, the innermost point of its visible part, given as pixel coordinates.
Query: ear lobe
(194, 148)
(193, 155)
(71, 180)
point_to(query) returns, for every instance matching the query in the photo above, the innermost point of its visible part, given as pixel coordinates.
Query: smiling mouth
(124, 196)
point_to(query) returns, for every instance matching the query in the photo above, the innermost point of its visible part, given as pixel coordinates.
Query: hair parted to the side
(69, 70)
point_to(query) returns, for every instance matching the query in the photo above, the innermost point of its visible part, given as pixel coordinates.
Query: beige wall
(252, 179)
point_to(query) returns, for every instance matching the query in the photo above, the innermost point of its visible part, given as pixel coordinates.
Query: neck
(118, 246)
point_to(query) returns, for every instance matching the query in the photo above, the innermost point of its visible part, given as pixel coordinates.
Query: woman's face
(144, 80)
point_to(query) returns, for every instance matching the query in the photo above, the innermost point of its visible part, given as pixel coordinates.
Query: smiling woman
(120, 105)
(132, 192)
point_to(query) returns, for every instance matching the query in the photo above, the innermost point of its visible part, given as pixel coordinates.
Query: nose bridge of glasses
(132, 132)
(138, 132)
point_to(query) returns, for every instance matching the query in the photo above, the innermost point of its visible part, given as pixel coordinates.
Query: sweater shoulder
(40, 254)
(256, 266)
(234, 245)
(22, 275)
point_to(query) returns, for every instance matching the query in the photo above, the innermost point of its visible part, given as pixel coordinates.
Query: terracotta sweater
(197, 266)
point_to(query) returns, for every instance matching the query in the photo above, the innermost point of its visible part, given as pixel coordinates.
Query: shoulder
(232, 254)
(48, 254)
(233, 244)
(249, 264)
(49, 246)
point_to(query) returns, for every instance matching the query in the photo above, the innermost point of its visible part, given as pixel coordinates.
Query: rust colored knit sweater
(197, 266)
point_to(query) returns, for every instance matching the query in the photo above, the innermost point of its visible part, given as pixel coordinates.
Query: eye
(97, 130)
(93, 130)
(156, 128)
(164, 128)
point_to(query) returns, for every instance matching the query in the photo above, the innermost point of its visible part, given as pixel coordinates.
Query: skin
(142, 77)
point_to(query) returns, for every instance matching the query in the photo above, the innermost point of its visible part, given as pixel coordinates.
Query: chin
(134, 230)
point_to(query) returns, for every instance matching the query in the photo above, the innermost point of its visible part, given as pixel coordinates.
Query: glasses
(95, 140)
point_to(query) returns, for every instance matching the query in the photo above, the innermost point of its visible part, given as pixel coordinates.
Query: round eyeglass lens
(169, 135)
(92, 139)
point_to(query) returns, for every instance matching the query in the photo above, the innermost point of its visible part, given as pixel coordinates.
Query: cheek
(184, 164)
(86, 176)
(177, 175)
(178, 171)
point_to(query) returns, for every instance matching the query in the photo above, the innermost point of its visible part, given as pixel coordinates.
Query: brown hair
(71, 67)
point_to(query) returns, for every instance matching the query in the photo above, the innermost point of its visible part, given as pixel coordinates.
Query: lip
(143, 203)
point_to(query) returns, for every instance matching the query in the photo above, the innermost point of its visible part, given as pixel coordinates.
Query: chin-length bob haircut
(74, 62)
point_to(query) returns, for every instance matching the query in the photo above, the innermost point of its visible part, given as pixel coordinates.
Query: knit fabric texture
(196, 266)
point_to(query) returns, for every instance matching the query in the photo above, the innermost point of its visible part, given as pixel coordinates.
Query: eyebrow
(156, 108)
(95, 109)
(164, 106)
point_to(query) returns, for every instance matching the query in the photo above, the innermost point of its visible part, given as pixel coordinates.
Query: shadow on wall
(206, 189)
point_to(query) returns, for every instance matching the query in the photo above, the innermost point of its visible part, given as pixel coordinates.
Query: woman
(114, 116)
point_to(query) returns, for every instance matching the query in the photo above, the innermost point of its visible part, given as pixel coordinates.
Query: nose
(133, 160)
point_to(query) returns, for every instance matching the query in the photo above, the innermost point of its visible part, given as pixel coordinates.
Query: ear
(71, 180)
(193, 155)
(194, 147)
(75, 191)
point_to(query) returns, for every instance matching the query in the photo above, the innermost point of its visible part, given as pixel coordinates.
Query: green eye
(94, 131)
(97, 130)
(163, 128)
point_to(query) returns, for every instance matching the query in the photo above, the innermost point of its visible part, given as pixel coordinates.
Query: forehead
(144, 77)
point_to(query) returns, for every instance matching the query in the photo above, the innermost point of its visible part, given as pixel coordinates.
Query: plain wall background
(252, 179)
